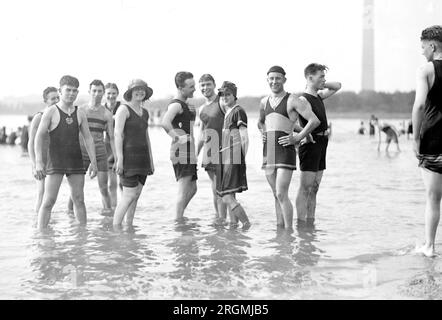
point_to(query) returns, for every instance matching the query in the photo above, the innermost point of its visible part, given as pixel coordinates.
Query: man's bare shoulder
(107, 113)
(264, 100)
(49, 110)
(427, 69)
(81, 111)
(295, 98)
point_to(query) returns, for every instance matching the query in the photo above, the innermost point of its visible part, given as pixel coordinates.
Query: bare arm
(422, 88)
(32, 133)
(244, 139)
(201, 136)
(88, 142)
(150, 151)
(261, 119)
(43, 128)
(120, 121)
(330, 89)
(302, 107)
(172, 111)
(110, 132)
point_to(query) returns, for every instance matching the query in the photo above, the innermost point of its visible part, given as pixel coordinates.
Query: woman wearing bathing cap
(231, 177)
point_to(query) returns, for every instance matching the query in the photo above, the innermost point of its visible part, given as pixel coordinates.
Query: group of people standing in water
(112, 139)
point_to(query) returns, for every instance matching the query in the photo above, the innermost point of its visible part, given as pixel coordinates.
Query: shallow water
(369, 217)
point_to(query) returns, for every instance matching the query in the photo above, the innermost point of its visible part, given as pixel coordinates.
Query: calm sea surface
(369, 217)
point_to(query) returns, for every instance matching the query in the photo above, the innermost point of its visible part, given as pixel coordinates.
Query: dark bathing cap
(276, 69)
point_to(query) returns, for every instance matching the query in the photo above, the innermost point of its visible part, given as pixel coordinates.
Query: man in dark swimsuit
(64, 122)
(178, 122)
(277, 120)
(312, 156)
(427, 131)
(212, 121)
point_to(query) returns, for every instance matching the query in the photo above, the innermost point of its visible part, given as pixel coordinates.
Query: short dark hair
(96, 83)
(312, 68)
(207, 77)
(432, 33)
(47, 91)
(110, 85)
(69, 81)
(181, 77)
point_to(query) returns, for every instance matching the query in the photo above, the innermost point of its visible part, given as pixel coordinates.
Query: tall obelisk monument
(368, 46)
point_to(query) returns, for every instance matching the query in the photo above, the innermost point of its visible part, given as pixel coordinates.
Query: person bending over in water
(391, 132)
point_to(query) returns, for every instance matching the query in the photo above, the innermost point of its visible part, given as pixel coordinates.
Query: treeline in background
(343, 103)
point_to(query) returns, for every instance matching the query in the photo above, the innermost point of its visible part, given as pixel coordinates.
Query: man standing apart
(427, 131)
(178, 123)
(312, 156)
(64, 122)
(50, 97)
(278, 115)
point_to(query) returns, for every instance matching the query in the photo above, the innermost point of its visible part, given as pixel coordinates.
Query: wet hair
(432, 33)
(181, 78)
(110, 85)
(47, 91)
(207, 77)
(312, 68)
(69, 81)
(96, 83)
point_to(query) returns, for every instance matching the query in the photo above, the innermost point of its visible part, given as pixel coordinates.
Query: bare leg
(129, 196)
(212, 177)
(307, 180)
(232, 216)
(312, 195)
(112, 186)
(433, 187)
(40, 193)
(186, 190)
(102, 184)
(131, 210)
(70, 206)
(220, 206)
(271, 178)
(76, 183)
(52, 186)
(283, 179)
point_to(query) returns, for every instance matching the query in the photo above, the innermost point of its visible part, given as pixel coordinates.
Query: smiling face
(52, 98)
(68, 93)
(207, 88)
(111, 95)
(276, 82)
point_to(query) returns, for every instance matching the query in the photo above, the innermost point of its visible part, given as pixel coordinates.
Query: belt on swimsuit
(322, 133)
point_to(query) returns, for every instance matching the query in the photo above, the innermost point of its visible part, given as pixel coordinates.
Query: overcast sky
(236, 40)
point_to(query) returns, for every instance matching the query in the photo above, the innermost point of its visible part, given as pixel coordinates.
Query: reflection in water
(295, 253)
(59, 265)
(82, 263)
